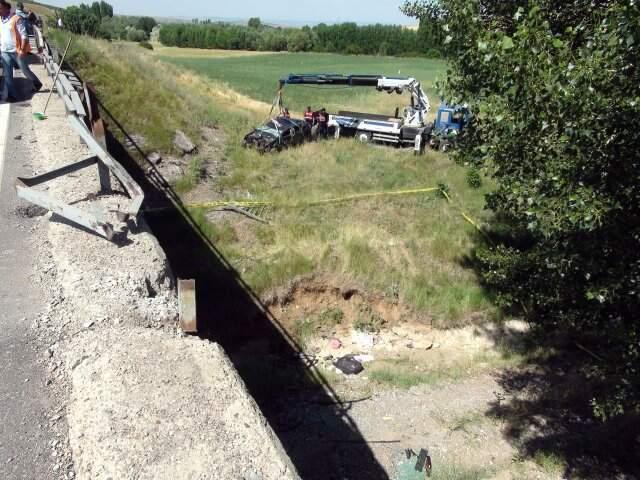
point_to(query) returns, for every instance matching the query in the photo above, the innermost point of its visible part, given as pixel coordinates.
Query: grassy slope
(40, 9)
(258, 77)
(148, 97)
(411, 248)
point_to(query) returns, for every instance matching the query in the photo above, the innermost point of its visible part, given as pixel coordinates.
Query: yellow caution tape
(359, 196)
(467, 217)
(227, 203)
(356, 196)
(346, 198)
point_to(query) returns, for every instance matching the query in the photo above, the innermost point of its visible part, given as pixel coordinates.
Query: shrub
(555, 95)
(135, 35)
(432, 53)
(146, 45)
(473, 178)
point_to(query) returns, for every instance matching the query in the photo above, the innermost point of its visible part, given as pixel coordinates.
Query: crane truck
(406, 128)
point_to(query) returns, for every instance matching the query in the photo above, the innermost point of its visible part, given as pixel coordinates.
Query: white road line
(5, 109)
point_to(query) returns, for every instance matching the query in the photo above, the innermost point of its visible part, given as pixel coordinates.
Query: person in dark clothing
(308, 123)
(323, 121)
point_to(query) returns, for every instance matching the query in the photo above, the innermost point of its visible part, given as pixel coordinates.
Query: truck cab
(450, 121)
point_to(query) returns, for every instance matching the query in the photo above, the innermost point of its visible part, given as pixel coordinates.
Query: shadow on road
(270, 362)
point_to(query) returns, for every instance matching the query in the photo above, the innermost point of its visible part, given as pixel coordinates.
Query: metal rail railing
(83, 115)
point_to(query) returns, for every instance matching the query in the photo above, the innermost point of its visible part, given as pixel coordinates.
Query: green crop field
(257, 77)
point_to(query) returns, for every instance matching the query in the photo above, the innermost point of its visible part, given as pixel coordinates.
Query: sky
(291, 11)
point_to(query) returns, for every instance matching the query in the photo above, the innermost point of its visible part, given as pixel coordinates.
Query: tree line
(346, 38)
(98, 20)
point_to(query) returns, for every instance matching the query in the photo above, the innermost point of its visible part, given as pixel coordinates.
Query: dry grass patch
(177, 52)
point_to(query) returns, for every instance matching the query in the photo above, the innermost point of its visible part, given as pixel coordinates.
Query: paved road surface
(25, 451)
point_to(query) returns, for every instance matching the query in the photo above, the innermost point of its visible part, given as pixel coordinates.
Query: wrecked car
(276, 134)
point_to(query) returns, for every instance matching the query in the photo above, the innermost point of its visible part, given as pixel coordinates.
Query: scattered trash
(18, 137)
(335, 343)
(423, 462)
(88, 324)
(412, 466)
(364, 358)
(363, 340)
(349, 365)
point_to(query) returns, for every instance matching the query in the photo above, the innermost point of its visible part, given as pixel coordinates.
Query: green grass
(258, 76)
(466, 421)
(192, 176)
(404, 372)
(455, 472)
(413, 245)
(549, 462)
(410, 247)
(307, 327)
(275, 270)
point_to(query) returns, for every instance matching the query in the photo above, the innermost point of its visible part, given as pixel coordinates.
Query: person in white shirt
(14, 48)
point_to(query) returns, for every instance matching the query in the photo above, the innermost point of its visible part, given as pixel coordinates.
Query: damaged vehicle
(276, 134)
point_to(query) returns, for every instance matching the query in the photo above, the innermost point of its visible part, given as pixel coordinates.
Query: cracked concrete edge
(201, 400)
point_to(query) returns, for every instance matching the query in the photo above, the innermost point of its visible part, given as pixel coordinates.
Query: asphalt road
(25, 402)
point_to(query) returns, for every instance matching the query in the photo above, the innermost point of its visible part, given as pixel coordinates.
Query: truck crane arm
(420, 100)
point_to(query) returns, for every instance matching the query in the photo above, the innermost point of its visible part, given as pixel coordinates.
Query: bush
(135, 35)
(353, 49)
(473, 178)
(555, 95)
(432, 53)
(146, 45)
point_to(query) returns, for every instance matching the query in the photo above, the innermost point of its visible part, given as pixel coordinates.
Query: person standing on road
(14, 48)
(23, 57)
(5, 17)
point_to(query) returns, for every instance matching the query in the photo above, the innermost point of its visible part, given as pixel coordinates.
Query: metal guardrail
(84, 116)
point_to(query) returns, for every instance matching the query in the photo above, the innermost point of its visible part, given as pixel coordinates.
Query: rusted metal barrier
(84, 116)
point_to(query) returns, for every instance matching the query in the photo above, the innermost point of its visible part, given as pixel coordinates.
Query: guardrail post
(187, 305)
(99, 130)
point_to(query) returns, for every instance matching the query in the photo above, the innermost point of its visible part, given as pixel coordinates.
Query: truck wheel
(363, 137)
(444, 147)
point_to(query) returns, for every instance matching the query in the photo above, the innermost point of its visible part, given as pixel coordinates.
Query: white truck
(406, 128)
